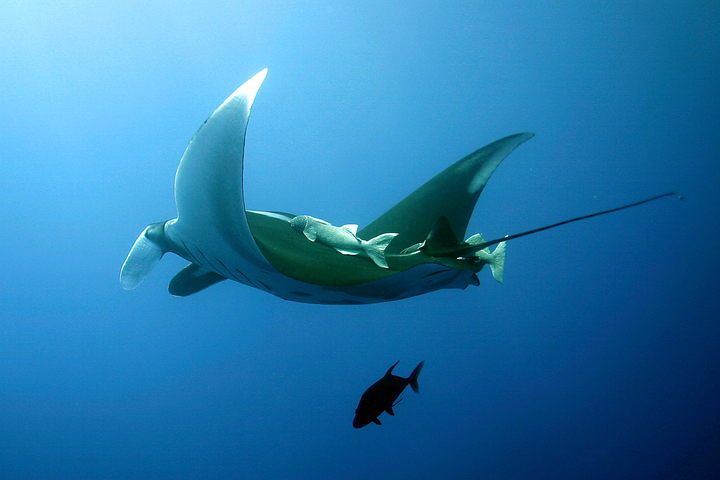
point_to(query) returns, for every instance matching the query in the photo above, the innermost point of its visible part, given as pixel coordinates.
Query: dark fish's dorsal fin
(389, 372)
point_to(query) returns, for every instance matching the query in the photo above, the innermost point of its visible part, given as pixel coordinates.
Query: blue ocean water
(597, 357)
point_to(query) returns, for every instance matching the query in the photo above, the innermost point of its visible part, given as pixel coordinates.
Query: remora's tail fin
(143, 257)
(375, 248)
(413, 378)
(496, 260)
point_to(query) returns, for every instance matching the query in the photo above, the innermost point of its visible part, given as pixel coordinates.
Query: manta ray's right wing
(211, 222)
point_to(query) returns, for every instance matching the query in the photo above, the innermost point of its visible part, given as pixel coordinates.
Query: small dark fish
(381, 396)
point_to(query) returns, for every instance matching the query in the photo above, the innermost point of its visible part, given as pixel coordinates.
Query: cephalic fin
(143, 257)
(193, 279)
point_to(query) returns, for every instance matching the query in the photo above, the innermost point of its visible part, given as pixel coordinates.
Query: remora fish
(381, 396)
(343, 239)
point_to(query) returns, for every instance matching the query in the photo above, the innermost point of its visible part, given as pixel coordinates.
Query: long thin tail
(413, 378)
(375, 248)
(479, 246)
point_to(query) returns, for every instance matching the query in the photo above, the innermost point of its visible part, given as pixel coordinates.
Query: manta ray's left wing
(209, 185)
(451, 194)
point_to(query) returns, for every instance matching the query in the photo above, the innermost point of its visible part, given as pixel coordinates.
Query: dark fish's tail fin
(412, 379)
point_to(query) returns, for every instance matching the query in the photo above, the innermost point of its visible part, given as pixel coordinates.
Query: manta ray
(421, 252)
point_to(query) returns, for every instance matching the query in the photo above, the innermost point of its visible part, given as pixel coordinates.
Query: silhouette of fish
(381, 396)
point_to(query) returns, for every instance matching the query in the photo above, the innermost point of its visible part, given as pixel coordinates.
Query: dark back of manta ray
(452, 193)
